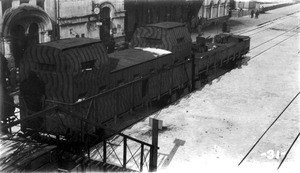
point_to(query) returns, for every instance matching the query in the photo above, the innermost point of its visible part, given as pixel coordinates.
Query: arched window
(40, 3)
(218, 8)
(18, 42)
(33, 34)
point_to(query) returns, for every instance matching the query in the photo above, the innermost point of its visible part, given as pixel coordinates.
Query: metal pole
(142, 158)
(124, 152)
(104, 148)
(153, 150)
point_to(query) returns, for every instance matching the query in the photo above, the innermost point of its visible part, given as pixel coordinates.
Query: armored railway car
(162, 62)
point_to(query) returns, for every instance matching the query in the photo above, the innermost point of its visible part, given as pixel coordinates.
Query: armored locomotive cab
(65, 70)
(70, 68)
(170, 36)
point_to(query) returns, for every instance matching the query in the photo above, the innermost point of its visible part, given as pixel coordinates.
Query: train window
(153, 41)
(46, 67)
(145, 87)
(180, 40)
(88, 65)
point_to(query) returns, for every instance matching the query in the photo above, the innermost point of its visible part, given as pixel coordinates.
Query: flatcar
(78, 75)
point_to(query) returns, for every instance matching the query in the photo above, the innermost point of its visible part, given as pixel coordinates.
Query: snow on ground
(239, 23)
(220, 123)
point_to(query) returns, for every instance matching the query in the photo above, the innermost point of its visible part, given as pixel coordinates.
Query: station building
(139, 13)
(213, 9)
(26, 22)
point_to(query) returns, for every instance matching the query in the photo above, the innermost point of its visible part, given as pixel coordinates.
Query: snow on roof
(69, 43)
(155, 51)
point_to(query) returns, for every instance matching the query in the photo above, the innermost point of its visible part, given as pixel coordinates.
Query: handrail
(77, 116)
(136, 140)
(33, 116)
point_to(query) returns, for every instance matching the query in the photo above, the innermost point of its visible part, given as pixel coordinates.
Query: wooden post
(153, 149)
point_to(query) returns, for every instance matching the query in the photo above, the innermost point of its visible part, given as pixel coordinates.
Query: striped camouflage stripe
(61, 68)
(176, 40)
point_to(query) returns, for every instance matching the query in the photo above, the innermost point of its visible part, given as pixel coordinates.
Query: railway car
(162, 62)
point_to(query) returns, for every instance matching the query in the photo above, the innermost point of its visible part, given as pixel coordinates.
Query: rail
(269, 127)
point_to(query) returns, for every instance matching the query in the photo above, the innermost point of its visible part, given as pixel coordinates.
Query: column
(1, 39)
(211, 11)
(226, 9)
(218, 14)
(1, 13)
(8, 53)
(46, 37)
(10, 61)
(15, 3)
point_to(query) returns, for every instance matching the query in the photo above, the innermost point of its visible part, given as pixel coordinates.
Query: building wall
(76, 18)
(246, 5)
(212, 9)
(56, 19)
(142, 12)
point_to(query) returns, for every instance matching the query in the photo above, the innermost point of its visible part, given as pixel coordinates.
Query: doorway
(21, 41)
(105, 27)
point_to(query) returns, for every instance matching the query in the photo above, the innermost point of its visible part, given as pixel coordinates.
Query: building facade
(142, 12)
(26, 22)
(139, 13)
(212, 9)
(244, 8)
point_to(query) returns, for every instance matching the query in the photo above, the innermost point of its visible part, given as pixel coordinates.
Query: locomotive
(78, 75)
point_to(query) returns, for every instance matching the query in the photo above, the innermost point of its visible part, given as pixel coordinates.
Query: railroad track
(268, 129)
(276, 44)
(266, 27)
(273, 40)
(270, 44)
(290, 30)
